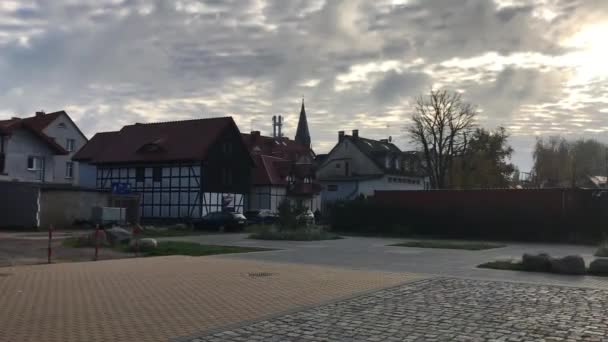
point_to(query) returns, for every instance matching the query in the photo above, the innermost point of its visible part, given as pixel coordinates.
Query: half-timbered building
(181, 169)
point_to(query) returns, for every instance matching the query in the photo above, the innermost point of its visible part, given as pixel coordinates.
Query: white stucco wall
(21, 145)
(61, 134)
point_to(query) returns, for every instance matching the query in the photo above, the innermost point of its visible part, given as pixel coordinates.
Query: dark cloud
(356, 62)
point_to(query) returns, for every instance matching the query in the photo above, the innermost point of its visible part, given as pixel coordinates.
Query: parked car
(307, 217)
(261, 216)
(222, 221)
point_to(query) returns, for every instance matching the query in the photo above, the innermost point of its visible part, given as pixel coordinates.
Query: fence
(526, 214)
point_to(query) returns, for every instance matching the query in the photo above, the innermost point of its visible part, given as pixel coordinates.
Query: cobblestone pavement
(154, 299)
(443, 309)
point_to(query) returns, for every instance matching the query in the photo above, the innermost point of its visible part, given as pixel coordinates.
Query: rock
(144, 244)
(537, 263)
(118, 235)
(571, 264)
(599, 266)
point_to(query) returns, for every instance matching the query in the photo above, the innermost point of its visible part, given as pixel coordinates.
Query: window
(140, 174)
(346, 169)
(332, 187)
(61, 125)
(69, 170)
(337, 165)
(35, 163)
(69, 145)
(387, 162)
(157, 174)
(307, 180)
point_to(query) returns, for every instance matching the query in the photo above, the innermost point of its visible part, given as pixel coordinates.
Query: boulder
(571, 264)
(599, 266)
(537, 263)
(118, 235)
(144, 244)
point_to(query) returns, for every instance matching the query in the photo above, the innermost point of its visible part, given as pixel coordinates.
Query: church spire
(302, 134)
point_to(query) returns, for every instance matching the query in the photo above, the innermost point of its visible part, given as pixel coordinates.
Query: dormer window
(387, 162)
(150, 148)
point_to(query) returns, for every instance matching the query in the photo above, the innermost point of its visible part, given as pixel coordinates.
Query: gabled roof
(94, 147)
(377, 151)
(34, 125)
(181, 140)
(276, 147)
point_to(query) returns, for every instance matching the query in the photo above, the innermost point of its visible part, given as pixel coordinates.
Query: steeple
(302, 134)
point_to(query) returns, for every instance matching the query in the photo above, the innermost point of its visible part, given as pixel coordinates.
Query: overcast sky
(536, 67)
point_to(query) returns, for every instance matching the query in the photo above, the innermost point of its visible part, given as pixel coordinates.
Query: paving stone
(448, 309)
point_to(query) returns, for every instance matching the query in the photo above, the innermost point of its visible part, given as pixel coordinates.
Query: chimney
(355, 133)
(274, 126)
(384, 141)
(40, 113)
(280, 125)
(340, 136)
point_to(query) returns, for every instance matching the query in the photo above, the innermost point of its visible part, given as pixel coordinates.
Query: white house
(358, 166)
(40, 148)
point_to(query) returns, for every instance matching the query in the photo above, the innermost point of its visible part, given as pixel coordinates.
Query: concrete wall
(18, 205)
(62, 129)
(19, 146)
(62, 207)
(345, 152)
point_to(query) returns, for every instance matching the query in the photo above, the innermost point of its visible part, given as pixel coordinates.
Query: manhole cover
(260, 274)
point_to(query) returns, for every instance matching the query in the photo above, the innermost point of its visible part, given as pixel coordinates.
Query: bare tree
(441, 124)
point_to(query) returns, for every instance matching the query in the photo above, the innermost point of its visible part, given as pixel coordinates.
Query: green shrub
(512, 265)
(301, 234)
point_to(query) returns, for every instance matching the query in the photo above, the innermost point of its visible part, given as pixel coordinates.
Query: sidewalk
(154, 299)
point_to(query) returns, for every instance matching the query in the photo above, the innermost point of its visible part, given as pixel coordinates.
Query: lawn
(511, 265)
(450, 244)
(193, 249)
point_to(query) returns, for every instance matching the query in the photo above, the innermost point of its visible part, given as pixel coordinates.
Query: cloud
(357, 63)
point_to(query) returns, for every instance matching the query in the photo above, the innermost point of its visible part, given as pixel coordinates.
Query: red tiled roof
(40, 122)
(92, 149)
(281, 148)
(35, 125)
(181, 140)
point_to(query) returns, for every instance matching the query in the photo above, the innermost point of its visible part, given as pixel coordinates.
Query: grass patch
(165, 248)
(450, 244)
(301, 234)
(72, 242)
(511, 265)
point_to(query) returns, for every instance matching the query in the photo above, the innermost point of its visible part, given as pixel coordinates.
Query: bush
(536, 263)
(599, 267)
(288, 215)
(313, 233)
(571, 264)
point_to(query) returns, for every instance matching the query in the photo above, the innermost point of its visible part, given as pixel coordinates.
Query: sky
(536, 67)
